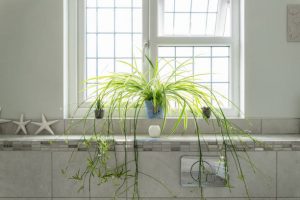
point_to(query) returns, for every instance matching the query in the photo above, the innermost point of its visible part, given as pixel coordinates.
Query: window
(113, 33)
(204, 31)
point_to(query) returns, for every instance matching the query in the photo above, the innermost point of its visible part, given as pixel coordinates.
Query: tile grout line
(51, 175)
(276, 168)
(261, 126)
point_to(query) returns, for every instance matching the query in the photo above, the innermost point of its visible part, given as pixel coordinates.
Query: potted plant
(128, 93)
(206, 111)
(99, 108)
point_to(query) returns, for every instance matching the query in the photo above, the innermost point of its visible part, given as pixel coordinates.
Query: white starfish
(21, 125)
(3, 120)
(44, 125)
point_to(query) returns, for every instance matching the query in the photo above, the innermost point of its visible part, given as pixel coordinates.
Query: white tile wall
(25, 174)
(288, 175)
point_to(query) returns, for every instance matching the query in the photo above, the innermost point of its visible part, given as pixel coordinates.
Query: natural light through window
(205, 32)
(113, 34)
(196, 17)
(209, 63)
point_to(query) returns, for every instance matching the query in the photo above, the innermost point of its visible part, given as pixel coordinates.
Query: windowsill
(146, 138)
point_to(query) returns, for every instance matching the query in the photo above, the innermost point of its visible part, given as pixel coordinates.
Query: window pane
(186, 67)
(105, 66)
(123, 45)
(137, 20)
(105, 20)
(169, 5)
(123, 20)
(222, 93)
(91, 3)
(196, 17)
(168, 24)
(167, 66)
(137, 40)
(203, 69)
(91, 91)
(198, 23)
(113, 33)
(182, 5)
(220, 69)
(91, 67)
(137, 3)
(91, 19)
(105, 3)
(211, 24)
(166, 52)
(182, 23)
(220, 51)
(186, 52)
(202, 51)
(138, 63)
(122, 67)
(208, 64)
(91, 45)
(213, 6)
(123, 3)
(199, 5)
(106, 45)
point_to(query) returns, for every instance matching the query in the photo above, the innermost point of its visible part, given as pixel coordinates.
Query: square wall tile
(165, 167)
(280, 126)
(25, 174)
(89, 126)
(64, 187)
(252, 126)
(10, 128)
(288, 175)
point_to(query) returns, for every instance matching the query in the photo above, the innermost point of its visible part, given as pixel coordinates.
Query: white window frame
(156, 40)
(152, 39)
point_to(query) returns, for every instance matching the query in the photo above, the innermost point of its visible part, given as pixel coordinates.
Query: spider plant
(99, 108)
(126, 94)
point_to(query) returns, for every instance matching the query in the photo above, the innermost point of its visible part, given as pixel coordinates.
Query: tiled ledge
(209, 143)
(265, 126)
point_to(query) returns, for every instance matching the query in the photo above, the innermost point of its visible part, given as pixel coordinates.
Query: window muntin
(151, 36)
(113, 33)
(210, 63)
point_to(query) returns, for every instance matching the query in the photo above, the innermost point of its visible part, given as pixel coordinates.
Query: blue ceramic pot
(151, 112)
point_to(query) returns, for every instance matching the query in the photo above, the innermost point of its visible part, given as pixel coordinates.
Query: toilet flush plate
(213, 174)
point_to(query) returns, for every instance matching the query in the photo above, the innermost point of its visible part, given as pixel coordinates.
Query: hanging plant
(128, 93)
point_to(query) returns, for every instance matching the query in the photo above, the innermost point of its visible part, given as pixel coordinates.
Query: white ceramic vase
(154, 131)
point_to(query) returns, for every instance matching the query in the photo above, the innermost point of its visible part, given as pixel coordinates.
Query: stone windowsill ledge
(209, 143)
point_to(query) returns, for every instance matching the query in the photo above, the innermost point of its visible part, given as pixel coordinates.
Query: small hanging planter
(99, 114)
(99, 108)
(206, 111)
(152, 112)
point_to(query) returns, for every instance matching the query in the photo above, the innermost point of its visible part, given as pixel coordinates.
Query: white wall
(272, 65)
(31, 59)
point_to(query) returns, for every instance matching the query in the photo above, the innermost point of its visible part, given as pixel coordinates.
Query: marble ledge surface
(120, 138)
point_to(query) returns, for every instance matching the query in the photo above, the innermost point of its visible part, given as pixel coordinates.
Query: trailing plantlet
(125, 96)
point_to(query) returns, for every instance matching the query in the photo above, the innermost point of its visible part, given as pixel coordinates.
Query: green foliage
(126, 93)
(99, 104)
